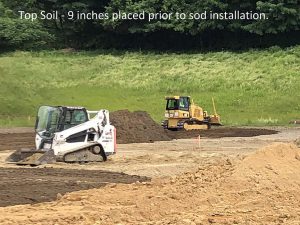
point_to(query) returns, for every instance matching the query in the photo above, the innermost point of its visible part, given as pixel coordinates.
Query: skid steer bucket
(31, 157)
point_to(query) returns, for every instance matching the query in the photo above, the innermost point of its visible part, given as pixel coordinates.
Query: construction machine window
(182, 104)
(74, 118)
(48, 119)
(172, 104)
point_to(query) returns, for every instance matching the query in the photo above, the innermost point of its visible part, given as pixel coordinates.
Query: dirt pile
(276, 166)
(137, 127)
(224, 192)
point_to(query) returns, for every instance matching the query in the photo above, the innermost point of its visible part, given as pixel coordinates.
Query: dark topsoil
(138, 127)
(34, 185)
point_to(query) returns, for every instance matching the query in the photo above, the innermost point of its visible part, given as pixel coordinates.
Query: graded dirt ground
(261, 188)
(219, 178)
(152, 160)
(33, 185)
(24, 137)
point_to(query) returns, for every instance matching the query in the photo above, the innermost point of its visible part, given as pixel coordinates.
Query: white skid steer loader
(68, 134)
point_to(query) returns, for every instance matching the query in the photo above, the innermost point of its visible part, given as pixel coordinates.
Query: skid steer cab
(182, 113)
(69, 134)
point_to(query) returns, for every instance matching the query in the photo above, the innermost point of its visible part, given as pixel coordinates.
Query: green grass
(257, 87)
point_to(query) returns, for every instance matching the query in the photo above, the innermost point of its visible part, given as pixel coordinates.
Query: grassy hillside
(250, 88)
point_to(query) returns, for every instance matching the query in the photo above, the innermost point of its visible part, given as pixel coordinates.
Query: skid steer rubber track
(83, 156)
(31, 157)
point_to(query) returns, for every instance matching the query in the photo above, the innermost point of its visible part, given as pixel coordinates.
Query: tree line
(281, 27)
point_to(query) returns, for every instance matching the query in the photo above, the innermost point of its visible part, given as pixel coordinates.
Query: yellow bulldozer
(182, 113)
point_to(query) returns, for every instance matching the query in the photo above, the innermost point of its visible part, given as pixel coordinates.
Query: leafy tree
(17, 33)
(186, 7)
(283, 16)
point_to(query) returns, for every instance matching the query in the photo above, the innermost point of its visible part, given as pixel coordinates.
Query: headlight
(176, 114)
(167, 115)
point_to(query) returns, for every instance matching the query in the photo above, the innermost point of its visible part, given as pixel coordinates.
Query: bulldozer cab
(52, 119)
(178, 103)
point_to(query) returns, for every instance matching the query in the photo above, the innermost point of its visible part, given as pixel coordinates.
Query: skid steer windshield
(48, 119)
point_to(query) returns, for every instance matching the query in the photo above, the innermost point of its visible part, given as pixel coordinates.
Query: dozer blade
(31, 157)
(215, 120)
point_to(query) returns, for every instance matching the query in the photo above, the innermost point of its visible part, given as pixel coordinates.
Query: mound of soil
(276, 165)
(137, 127)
